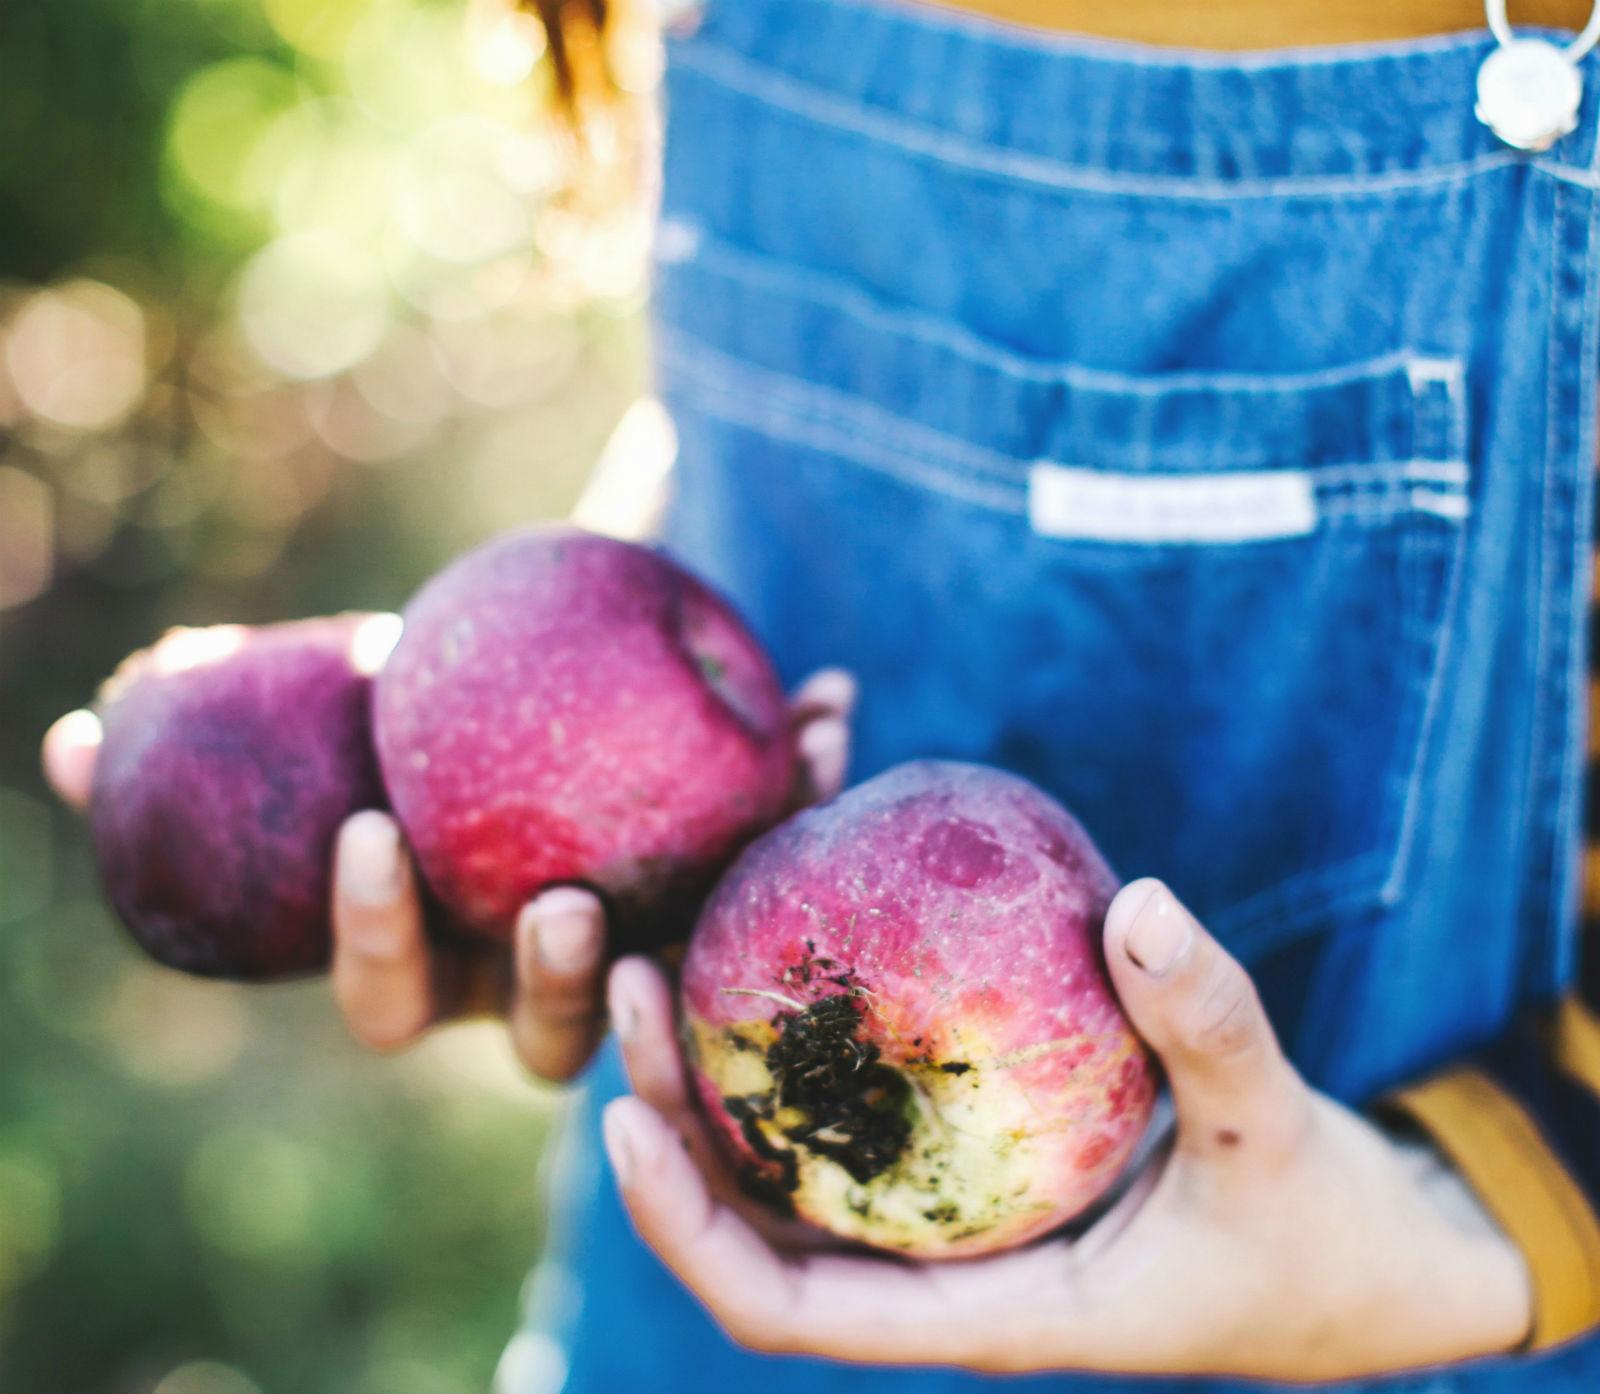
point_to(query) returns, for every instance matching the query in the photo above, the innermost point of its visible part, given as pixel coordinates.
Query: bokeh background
(298, 298)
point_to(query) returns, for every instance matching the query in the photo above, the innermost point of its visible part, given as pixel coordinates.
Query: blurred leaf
(291, 310)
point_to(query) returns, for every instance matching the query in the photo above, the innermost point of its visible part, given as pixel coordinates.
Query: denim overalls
(1209, 439)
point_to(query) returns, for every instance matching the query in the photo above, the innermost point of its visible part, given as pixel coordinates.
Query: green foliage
(281, 330)
(191, 1171)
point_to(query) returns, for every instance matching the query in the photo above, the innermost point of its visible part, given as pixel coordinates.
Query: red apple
(563, 708)
(899, 1019)
(230, 757)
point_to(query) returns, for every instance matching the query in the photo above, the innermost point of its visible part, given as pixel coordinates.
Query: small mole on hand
(1227, 1137)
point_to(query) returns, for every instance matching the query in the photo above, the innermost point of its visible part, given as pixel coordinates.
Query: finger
(820, 713)
(827, 692)
(556, 1017)
(641, 1002)
(640, 999)
(841, 1307)
(382, 964)
(824, 748)
(720, 1257)
(1234, 1092)
(70, 747)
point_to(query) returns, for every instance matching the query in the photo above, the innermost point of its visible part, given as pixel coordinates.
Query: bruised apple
(899, 1019)
(566, 708)
(229, 758)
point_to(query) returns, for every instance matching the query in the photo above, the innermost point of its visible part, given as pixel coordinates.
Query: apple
(230, 756)
(899, 1021)
(566, 708)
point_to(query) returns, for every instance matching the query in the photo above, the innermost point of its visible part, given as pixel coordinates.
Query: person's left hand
(1281, 1236)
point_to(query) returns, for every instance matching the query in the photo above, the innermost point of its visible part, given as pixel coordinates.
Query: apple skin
(566, 708)
(229, 758)
(898, 1017)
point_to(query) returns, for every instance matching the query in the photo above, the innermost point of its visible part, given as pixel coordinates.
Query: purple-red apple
(565, 708)
(230, 757)
(899, 1020)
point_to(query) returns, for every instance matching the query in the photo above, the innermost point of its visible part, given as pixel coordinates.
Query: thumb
(1233, 1091)
(70, 747)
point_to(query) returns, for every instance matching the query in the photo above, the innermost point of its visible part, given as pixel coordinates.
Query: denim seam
(865, 422)
(1567, 823)
(1538, 835)
(1434, 638)
(822, 107)
(1570, 174)
(1565, 947)
(1389, 512)
(1265, 919)
(833, 438)
(804, 397)
(864, 426)
(764, 271)
(1558, 763)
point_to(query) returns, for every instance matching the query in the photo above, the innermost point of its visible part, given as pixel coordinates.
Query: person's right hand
(392, 981)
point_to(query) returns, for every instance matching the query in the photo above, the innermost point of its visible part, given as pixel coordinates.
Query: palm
(824, 1284)
(1278, 1236)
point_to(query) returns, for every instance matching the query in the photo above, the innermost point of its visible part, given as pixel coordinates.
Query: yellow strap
(1575, 1042)
(1498, 1148)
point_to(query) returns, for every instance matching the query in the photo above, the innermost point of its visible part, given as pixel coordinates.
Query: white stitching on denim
(807, 414)
(1425, 371)
(718, 258)
(821, 107)
(770, 415)
(830, 440)
(1443, 629)
(1453, 506)
(1565, 884)
(1411, 471)
(1568, 685)
(1437, 639)
(1538, 722)
(1279, 912)
(1565, 948)
(900, 436)
(1568, 174)
(851, 413)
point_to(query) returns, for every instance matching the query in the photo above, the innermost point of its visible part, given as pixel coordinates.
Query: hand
(1279, 1236)
(392, 982)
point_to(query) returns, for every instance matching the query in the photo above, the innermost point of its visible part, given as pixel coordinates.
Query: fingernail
(624, 1016)
(823, 737)
(1160, 934)
(619, 1146)
(566, 940)
(824, 746)
(370, 872)
(836, 688)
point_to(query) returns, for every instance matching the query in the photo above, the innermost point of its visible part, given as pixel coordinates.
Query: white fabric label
(1240, 506)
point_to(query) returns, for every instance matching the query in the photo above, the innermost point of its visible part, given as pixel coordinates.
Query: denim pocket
(1251, 655)
(1210, 611)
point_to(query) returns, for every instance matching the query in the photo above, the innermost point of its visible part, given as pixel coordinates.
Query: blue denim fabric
(906, 257)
